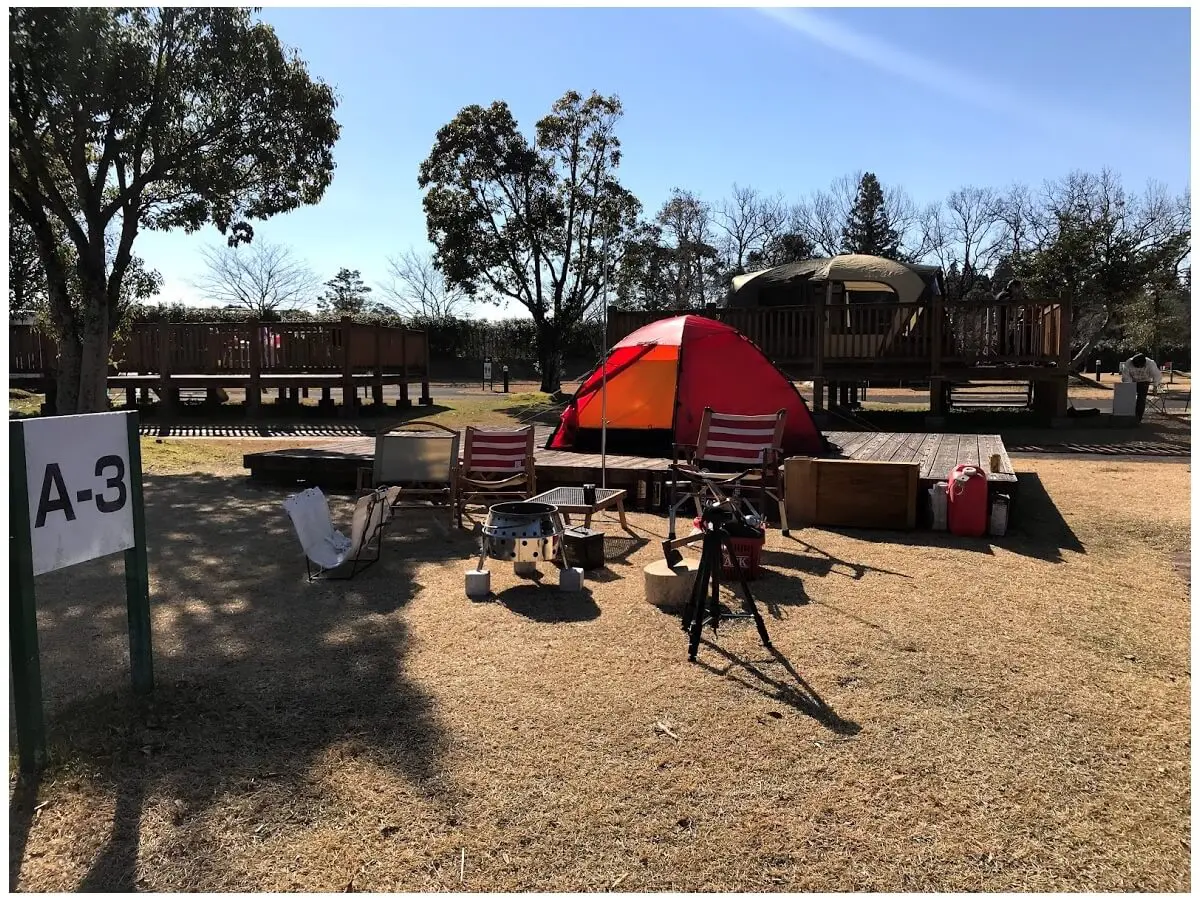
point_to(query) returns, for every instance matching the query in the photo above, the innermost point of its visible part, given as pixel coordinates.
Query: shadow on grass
(537, 412)
(821, 562)
(21, 812)
(544, 602)
(231, 420)
(259, 675)
(1039, 529)
(789, 688)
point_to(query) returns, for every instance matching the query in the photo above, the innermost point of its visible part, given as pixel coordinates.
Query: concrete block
(570, 579)
(525, 569)
(479, 583)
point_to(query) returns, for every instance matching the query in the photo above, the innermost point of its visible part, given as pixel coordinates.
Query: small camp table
(570, 500)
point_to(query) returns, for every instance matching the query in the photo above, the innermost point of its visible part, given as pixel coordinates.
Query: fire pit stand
(525, 533)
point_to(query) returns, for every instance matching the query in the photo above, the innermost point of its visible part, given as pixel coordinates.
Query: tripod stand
(716, 519)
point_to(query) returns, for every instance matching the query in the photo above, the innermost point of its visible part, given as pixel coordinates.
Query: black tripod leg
(704, 576)
(713, 548)
(748, 603)
(694, 604)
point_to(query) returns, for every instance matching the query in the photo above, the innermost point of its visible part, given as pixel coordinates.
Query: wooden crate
(848, 493)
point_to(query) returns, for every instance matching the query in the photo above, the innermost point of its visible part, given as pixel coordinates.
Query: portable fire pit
(525, 533)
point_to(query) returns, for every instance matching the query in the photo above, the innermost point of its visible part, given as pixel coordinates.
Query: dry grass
(211, 456)
(24, 403)
(1004, 716)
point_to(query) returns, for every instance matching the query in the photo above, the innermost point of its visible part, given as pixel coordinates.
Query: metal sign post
(75, 494)
(487, 373)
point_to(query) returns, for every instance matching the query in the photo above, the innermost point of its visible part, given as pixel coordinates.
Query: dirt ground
(939, 715)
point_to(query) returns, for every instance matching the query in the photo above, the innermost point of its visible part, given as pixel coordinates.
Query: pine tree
(868, 227)
(347, 293)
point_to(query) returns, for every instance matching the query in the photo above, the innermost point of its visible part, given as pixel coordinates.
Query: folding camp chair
(750, 445)
(326, 548)
(495, 464)
(423, 463)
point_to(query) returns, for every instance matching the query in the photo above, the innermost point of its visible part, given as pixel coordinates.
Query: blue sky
(784, 100)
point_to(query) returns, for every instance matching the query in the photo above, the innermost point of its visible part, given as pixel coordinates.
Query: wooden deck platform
(334, 465)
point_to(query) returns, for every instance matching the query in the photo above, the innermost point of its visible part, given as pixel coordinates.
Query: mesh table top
(573, 496)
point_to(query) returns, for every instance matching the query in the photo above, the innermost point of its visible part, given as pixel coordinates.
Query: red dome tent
(662, 376)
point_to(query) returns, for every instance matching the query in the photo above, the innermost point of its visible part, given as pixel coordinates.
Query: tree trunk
(1079, 360)
(549, 357)
(94, 339)
(66, 400)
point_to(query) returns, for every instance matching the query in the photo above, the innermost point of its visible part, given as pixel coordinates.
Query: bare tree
(1018, 214)
(965, 235)
(748, 223)
(262, 277)
(419, 290)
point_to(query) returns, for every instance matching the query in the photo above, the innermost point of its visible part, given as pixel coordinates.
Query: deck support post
(377, 375)
(937, 396)
(131, 397)
(1050, 397)
(349, 395)
(818, 404)
(166, 333)
(254, 388)
(402, 401)
(426, 400)
(821, 310)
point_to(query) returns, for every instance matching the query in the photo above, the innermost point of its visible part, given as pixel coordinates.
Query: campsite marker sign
(75, 493)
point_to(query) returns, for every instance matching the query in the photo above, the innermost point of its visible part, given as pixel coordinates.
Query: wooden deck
(335, 465)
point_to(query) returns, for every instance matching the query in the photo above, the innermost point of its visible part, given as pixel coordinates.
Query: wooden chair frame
(472, 488)
(417, 495)
(760, 481)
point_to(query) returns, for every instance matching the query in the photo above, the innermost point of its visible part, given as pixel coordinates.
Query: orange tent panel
(642, 396)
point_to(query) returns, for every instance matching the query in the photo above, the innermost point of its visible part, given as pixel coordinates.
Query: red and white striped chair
(495, 464)
(750, 444)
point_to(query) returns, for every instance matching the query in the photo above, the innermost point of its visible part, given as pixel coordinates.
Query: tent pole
(604, 380)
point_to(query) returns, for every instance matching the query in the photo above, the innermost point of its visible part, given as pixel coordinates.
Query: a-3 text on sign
(77, 475)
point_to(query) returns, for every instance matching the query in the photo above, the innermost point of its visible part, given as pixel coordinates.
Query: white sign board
(77, 474)
(487, 370)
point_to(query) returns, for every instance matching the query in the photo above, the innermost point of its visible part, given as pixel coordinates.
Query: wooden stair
(991, 395)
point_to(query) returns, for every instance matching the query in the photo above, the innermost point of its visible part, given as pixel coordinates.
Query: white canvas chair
(326, 548)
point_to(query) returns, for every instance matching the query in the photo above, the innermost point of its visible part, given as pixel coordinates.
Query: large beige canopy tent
(791, 284)
(836, 284)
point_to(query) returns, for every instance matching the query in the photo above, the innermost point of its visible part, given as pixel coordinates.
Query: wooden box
(847, 493)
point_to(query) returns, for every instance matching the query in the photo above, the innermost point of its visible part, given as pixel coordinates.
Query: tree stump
(668, 587)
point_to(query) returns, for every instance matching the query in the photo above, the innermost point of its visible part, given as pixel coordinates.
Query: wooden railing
(195, 348)
(30, 352)
(918, 335)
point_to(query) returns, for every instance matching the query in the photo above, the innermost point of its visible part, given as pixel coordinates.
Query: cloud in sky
(936, 77)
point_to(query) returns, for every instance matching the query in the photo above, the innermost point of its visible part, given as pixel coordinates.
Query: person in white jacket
(1143, 372)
